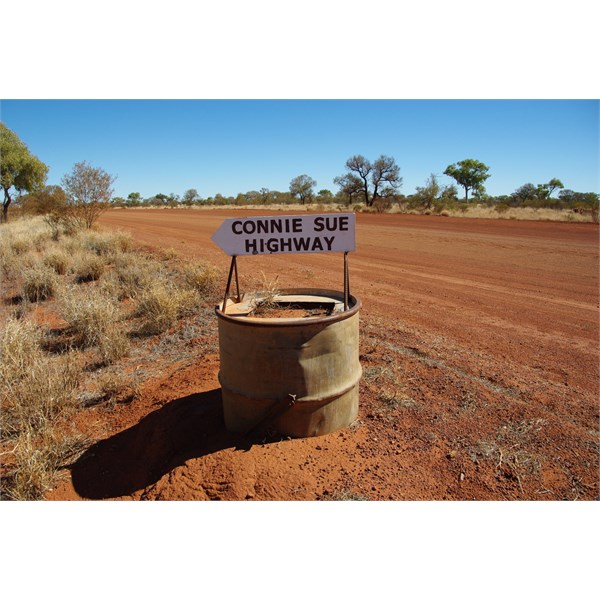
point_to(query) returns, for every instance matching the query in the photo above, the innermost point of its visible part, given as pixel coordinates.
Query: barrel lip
(354, 306)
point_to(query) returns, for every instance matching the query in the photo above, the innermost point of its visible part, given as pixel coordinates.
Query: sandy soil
(479, 345)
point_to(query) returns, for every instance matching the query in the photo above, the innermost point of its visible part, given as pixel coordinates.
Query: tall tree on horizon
(374, 180)
(301, 187)
(468, 173)
(19, 169)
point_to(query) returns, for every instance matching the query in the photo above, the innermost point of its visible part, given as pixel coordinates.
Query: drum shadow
(185, 428)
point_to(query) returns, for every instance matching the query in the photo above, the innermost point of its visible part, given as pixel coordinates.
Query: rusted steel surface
(312, 359)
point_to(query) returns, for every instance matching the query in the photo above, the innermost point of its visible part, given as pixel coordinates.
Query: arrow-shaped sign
(289, 234)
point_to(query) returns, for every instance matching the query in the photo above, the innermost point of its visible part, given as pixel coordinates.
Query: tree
(449, 194)
(252, 197)
(301, 187)
(350, 186)
(526, 194)
(190, 196)
(89, 192)
(385, 171)
(362, 167)
(19, 169)
(546, 189)
(51, 199)
(325, 196)
(220, 200)
(379, 179)
(425, 196)
(470, 174)
(433, 195)
(281, 197)
(134, 199)
(540, 195)
(265, 195)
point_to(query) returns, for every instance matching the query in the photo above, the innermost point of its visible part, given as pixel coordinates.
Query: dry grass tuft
(39, 395)
(34, 388)
(12, 265)
(19, 348)
(389, 385)
(38, 458)
(73, 245)
(41, 240)
(89, 267)
(112, 384)
(39, 283)
(134, 273)
(58, 260)
(266, 298)
(508, 450)
(106, 243)
(36, 392)
(94, 319)
(20, 246)
(162, 304)
(201, 277)
(346, 495)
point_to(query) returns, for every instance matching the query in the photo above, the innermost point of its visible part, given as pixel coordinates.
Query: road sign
(289, 234)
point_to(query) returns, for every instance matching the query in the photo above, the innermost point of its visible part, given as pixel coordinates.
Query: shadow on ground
(188, 427)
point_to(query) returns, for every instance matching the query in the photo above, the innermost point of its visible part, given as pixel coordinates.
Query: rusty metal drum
(296, 375)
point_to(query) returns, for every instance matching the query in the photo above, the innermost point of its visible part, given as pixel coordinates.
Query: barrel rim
(353, 301)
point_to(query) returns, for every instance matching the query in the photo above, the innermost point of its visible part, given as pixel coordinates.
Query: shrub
(19, 348)
(61, 222)
(162, 304)
(6, 256)
(39, 283)
(37, 460)
(94, 319)
(266, 298)
(34, 388)
(58, 260)
(382, 205)
(37, 393)
(40, 241)
(20, 246)
(89, 190)
(202, 278)
(133, 273)
(107, 244)
(89, 267)
(43, 393)
(31, 476)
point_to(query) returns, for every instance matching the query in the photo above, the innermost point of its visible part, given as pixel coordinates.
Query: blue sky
(231, 146)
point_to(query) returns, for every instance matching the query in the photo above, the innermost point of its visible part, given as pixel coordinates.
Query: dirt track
(479, 344)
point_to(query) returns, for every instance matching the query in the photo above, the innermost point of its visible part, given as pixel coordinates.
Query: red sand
(479, 344)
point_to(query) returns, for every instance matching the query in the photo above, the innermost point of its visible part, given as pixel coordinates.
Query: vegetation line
(78, 306)
(371, 186)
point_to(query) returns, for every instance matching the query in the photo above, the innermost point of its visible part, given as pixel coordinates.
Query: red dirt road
(480, 351)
